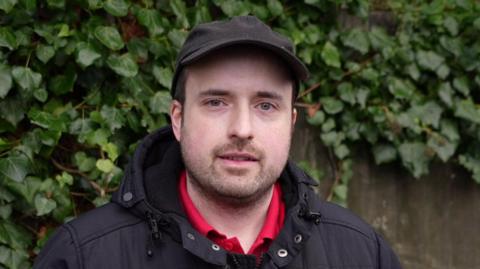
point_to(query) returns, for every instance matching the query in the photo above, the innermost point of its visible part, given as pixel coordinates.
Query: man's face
(236, 123)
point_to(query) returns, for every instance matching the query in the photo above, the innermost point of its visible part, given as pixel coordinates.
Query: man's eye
(265, 106)
(214, 102)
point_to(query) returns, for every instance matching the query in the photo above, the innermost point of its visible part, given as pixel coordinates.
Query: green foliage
(81, 81)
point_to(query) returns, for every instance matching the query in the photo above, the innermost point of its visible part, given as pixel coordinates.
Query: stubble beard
(234, 188)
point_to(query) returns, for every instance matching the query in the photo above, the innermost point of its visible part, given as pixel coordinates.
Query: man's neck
(244, 223)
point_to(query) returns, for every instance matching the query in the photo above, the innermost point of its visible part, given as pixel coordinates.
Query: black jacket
(145, 227)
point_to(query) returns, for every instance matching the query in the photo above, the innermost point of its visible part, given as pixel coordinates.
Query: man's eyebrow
(270, 95)
(214, 92)
(261, 94)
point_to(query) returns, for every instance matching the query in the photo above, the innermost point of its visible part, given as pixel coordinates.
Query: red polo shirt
(271, 227)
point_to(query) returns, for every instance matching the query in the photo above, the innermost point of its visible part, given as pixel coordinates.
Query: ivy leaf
(429, 113)
(466, 109)
(5, 211)
(472, 164)
(12, 110)
(15, 167)
(379, 39)
(330, 55)
(7, 38)
(110, 37)
(341, 151)
(160, 102)
(6, 196)
(81, 127)
(44, 53)
(60, 4)
(234, 8)
(84, 163)
(451, 25)
(449, 129)
(105, 165)
(118, 8)
(40, 94)
(331, 105)
(341, 192)
(443, 71)
(180, 10)
(95, 4)
(362, 96)
(26, 78)
(112, 150)
(476, 23)
(50, 138)
(414, 157)
(164, 76)
(5, 80)
(123, 65)
(357, 40)
(413, 71)
(64, 179)
(13, 235)
(64, 83)
(317, 119)
(401, 89)
(44, 205)
(152, 20)
(332, 138)
(12, 258)
(384, 153)
(442, 147)
(453, 45)
(177, 37)
(461, 85)
(86, 55)
(328, 125)
(347, 93)
(275, 7)
(113, 117)
(429, 60)
(7, 5)
(445, 93)
(47, 120)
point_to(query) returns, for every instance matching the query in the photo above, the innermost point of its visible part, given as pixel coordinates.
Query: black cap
(248, 30)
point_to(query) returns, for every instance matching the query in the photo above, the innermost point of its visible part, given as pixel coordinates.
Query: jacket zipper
(153, 224)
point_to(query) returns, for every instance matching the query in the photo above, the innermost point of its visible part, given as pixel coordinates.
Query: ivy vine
(82, 81)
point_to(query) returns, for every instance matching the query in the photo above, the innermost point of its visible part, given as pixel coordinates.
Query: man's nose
(241, 125)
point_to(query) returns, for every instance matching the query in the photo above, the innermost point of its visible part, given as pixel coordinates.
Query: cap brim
(300, 70)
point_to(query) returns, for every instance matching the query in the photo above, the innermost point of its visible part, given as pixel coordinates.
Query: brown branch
(309, 90)
(305, 105)
(75, 171)
(315, 86)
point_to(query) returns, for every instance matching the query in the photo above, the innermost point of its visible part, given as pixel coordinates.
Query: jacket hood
(157, 150)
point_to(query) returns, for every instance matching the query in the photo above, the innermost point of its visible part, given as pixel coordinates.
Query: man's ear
(176, 110)
(294, 116)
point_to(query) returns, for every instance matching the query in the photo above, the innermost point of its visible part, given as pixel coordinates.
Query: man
(215, 189)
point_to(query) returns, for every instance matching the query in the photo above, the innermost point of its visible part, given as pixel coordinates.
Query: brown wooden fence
(431, 223)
